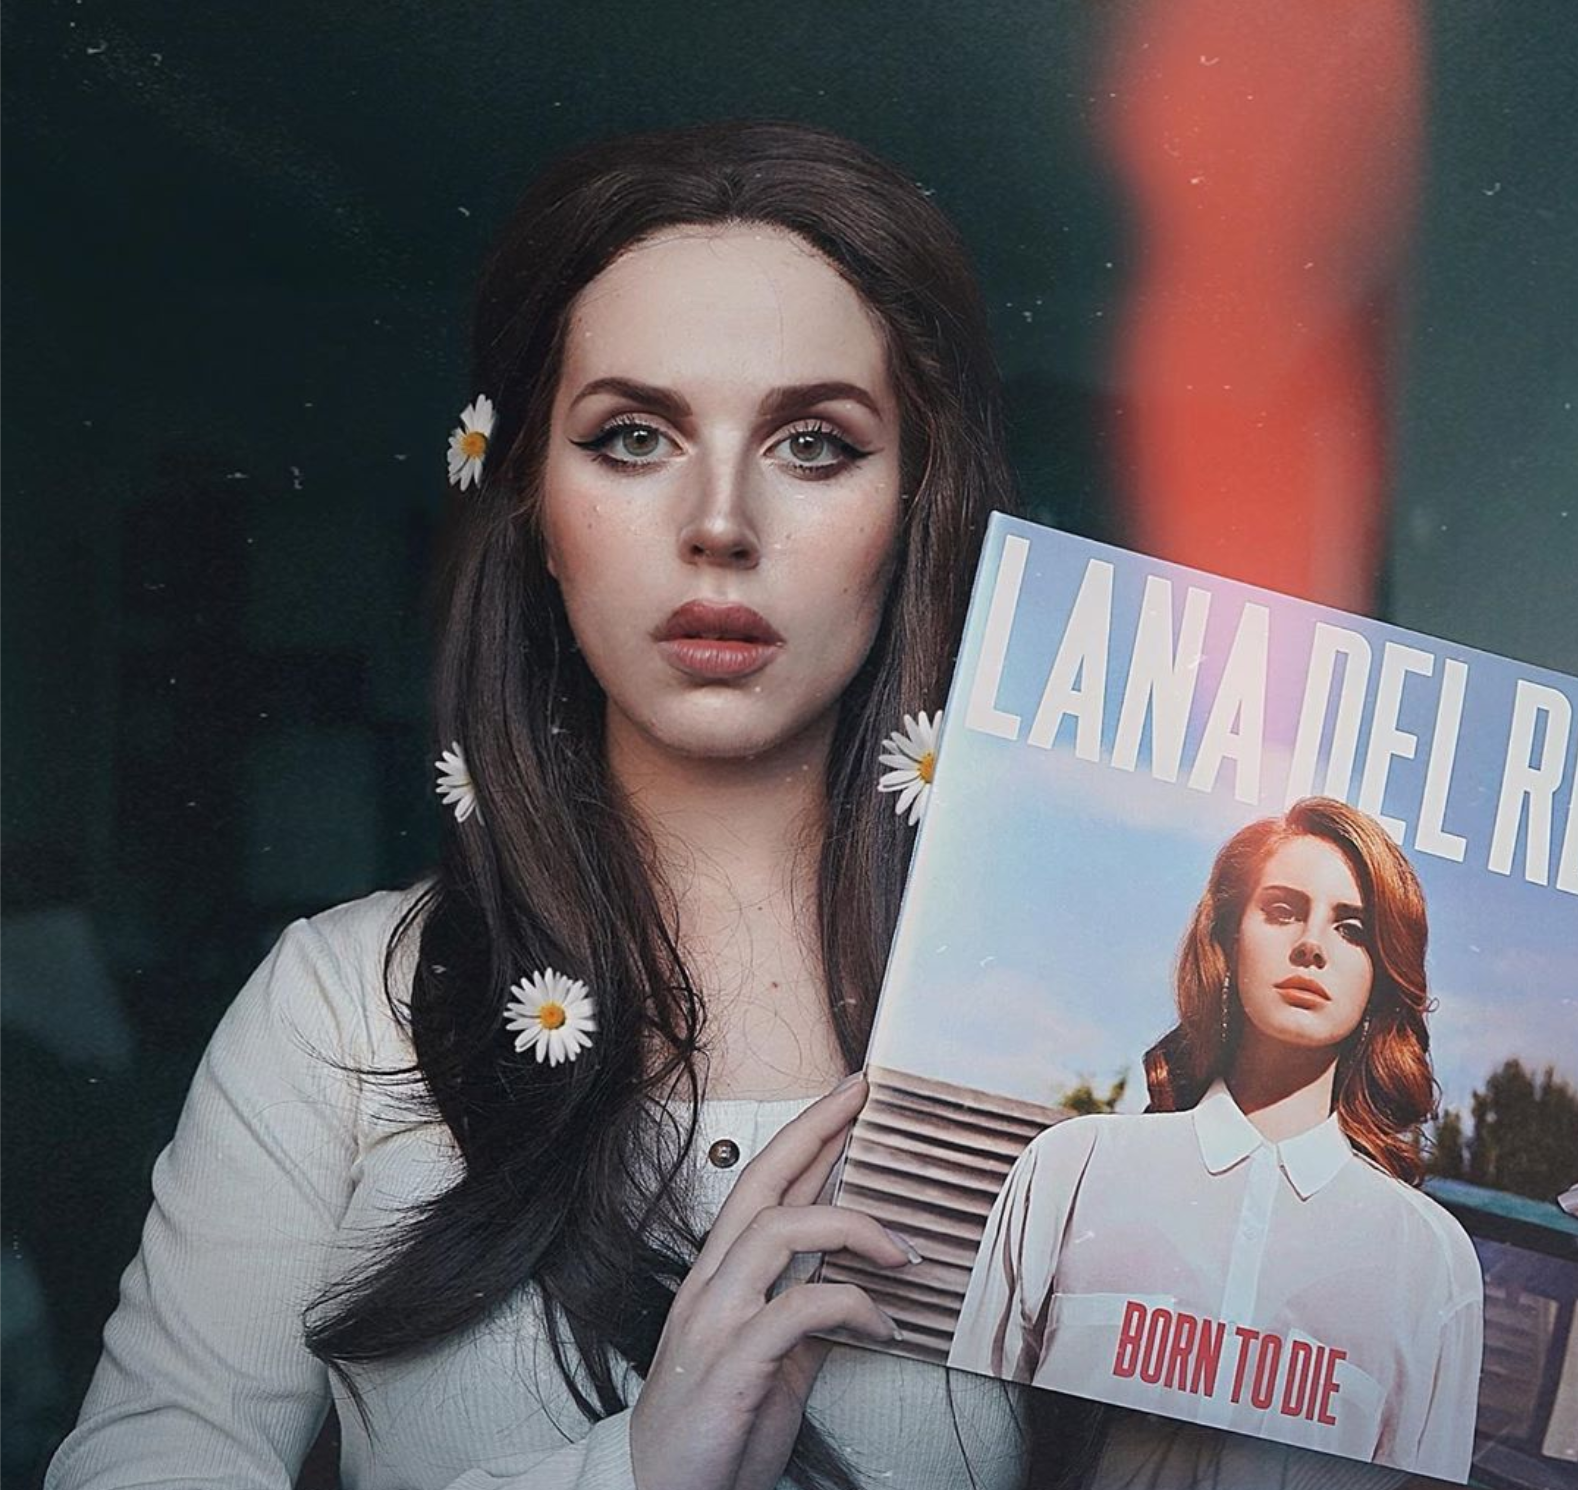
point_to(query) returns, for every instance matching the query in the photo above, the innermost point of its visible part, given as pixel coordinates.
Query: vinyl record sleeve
(1393, 1279)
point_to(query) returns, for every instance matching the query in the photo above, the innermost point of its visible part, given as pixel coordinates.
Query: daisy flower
(454, 783)
(552, 1013)
(469, 444)
(911, 755)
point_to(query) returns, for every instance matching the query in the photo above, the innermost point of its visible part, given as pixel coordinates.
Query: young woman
(1268, 1197)
(736, 436)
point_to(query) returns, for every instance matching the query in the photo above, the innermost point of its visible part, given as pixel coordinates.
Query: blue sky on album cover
(1049, 892)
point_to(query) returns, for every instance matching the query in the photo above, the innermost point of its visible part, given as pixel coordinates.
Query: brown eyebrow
(1342, 910)
(776, 405)
(1284, 890)
(782, 401)
(668, 403)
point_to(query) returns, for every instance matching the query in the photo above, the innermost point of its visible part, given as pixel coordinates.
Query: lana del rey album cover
(1226, 1065)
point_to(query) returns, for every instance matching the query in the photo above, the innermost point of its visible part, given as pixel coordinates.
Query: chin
(1303, 1035)
(732, 727)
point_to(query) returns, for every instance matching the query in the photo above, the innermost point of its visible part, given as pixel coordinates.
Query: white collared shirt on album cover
(1112, 1229)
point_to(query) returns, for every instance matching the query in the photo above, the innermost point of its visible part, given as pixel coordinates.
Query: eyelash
(1359, 934)
(847, 453)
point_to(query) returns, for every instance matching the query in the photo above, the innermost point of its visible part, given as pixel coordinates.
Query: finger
(766, 1180)
(775, 1330)
(807, 1189)
(762, 1252)
(763, 1460)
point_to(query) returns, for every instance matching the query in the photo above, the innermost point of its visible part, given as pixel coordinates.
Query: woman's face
(1303, 971)
(721, 492)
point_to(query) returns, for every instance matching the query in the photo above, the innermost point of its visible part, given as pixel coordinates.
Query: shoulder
(1433, 1233)
(323, 985)
(353, 939)
(1113, 1129)
(1097, 1137)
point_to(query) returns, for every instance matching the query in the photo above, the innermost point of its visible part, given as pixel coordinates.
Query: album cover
(1226, 1066)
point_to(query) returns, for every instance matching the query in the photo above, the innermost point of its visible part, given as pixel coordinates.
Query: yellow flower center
(550, 1016)
(473, 444)
(926, 765)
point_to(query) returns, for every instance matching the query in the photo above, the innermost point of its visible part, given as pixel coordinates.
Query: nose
(718, 526)
(1308, 952)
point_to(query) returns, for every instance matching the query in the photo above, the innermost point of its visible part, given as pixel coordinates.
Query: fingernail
(898, 1334)
(848, 1082)
(910, 1250)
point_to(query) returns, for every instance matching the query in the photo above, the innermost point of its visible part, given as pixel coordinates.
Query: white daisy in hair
(911, 756)
(468, 445)
(454, 783)
(552, 1014)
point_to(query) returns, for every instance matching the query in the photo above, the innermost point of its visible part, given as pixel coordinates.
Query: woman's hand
(728, 1385)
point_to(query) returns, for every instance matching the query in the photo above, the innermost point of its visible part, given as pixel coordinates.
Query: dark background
(238, 247)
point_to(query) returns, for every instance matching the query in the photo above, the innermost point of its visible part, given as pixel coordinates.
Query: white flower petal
(577, 1010)
(455, 787)
(477, 418)
(909, 756)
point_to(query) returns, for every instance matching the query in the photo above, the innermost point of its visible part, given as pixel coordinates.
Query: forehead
(1313, 865)
(749, 306)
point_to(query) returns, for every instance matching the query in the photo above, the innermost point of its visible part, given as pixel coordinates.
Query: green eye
(637, 441)
(627, 443)
(811, 447)
(816, 452)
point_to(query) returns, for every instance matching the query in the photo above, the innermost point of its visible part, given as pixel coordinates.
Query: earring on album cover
(1227, 992)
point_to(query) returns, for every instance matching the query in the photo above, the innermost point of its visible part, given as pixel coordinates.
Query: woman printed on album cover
(1253, 1252)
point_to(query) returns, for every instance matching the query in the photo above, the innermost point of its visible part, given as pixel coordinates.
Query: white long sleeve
(1003, 1319)
(205, 1378)
(1446, 1438)
(282, 1165)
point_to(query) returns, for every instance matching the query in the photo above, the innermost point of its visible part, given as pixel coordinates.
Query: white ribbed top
(280, 1165)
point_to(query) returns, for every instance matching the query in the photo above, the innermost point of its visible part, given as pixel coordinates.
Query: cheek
(1358, 976)
(589, 545)
(856, 562)
(1256, 946)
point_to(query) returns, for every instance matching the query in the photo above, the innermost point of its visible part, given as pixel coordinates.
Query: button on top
(724, 1154)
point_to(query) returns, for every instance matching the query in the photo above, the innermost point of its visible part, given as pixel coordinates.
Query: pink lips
(715, 641)
(1305, 992)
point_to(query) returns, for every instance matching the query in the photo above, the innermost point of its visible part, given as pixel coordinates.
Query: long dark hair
(1384, 1087)
(570, 1172)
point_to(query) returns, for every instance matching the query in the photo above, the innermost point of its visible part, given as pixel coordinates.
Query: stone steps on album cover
(927, 1158)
